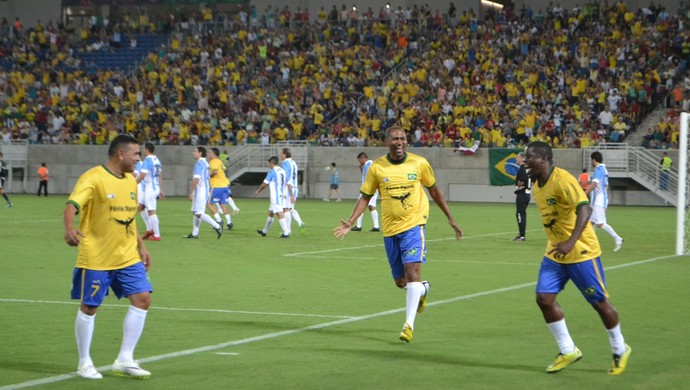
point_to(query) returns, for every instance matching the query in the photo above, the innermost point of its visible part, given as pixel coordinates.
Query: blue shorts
(229, 191)
(220, 195)
(588, 277)
(91, 286)
(406, 247)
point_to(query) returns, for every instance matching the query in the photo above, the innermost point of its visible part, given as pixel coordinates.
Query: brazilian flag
(503, 166)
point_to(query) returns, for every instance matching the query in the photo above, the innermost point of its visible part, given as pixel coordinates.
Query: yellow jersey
(219, 180)
(404, 203)
(557, 201)
(108, 208)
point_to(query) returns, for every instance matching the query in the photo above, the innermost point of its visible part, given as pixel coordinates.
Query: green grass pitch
(312, 312)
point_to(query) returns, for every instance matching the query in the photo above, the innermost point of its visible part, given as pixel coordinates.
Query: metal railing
(254, 158)
(639, 164)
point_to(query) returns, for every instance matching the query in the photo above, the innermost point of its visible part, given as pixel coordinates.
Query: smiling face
(397, 143)
(538, 157)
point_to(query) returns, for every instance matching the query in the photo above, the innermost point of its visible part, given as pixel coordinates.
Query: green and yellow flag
(503, 166)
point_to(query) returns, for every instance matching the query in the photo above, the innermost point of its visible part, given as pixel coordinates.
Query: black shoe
(190, 235)
(519, 238)
(284, 236)
(220, 223)
(230, 226)
(375, 230)
(261, 232)
(219, 231)
(356, 229)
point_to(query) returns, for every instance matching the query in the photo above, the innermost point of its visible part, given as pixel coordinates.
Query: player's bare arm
(440, 200)
(341, 231)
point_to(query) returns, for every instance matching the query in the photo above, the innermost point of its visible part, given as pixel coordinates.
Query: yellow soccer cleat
(620, 361)
(563, 360)
(406, 334)
(422, 300)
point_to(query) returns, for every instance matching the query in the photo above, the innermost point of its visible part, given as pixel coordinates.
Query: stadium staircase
(124, 58)
(253, 158)
(636, 137)
(636, 163)
(16, 156)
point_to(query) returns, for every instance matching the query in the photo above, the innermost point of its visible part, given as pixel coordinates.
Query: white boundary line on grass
(268, 336)
(180, 309)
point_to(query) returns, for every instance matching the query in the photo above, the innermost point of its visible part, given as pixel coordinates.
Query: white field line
(299, 254)
(434, 261)
(268, 336)
(74, 303)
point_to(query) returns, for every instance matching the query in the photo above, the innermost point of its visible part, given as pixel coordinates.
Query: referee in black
(522, 196)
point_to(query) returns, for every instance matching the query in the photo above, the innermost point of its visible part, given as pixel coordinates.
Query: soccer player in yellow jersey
(220, 189)
(399, 177)
(111, 254)
(572, 253)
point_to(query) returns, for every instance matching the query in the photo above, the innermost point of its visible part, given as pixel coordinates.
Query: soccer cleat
(9, 204)
(284, 235)
(620, 361)
(422, 301)
(261, 232)
(130, 369)
(89, 372)
(155, 238)
(619, 245)
(230, 226)
(406, 334)
(301, 228)
(219, 231)
(326, 200)
(375, 230)
(519, 238)
(190, 235)
(235, 211)
(338, 200)
(146, 235)
(356, 229)
(563, 360)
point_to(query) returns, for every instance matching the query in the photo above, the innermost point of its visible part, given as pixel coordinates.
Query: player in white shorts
(597, 192)
(364, 164)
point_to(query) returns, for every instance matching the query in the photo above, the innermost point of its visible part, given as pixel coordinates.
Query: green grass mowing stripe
(268, 336)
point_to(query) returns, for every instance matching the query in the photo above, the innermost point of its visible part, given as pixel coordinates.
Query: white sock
(414, 291)
(207, 218)
(375, 218)
(83, 330)
(616, 339)
(560, 331)
(132, 329)
(608, 229)
(284, 226)
(296, 217)
(232, 204)
(228, 219)
(153, 219)
(217, 218)
(269, 222)
(195, 225)
(145, 216)
(288, 222)
(359, 221)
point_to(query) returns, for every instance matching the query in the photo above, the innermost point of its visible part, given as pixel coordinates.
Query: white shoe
(130, 369)
(236, 211)
(326, 200)
(89, 372)
(619, 245)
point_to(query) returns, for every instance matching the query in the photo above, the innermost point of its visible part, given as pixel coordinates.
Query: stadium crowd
(570, 77)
